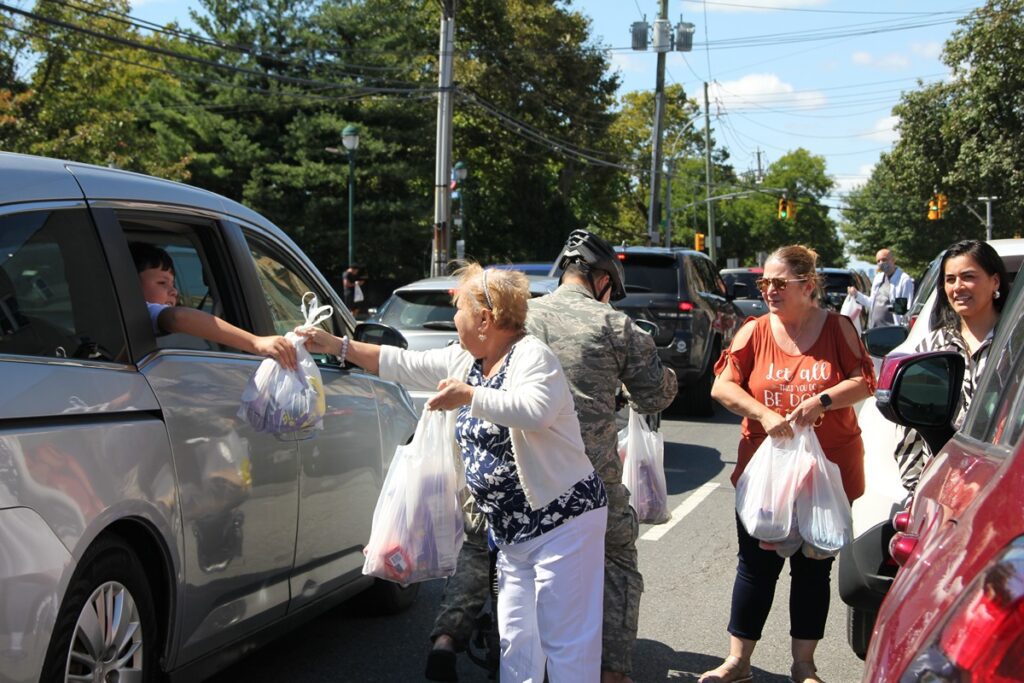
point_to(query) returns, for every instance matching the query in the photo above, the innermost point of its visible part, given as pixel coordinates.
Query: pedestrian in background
(969, 299)
(352, 293)
(513, 418)
(892, 293)
(802, 365)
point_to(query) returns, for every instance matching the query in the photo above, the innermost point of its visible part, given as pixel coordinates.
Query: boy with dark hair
(156, 277)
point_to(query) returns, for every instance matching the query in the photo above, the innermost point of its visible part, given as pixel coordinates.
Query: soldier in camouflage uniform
(599, 348)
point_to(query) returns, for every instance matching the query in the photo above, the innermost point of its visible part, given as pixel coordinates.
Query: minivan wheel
(106, 628)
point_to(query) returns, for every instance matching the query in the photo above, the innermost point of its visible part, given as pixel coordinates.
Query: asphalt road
(688, 566)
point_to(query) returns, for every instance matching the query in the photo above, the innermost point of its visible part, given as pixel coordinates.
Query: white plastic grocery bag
(643, 471)
(851, 309)
(280, 401)
(823, 510)
(766, 491)
(357, 293)
(417, 527)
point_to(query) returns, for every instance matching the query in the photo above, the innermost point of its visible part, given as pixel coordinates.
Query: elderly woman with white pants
(513, 418)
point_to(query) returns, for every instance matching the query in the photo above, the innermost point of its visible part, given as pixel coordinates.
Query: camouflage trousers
(467, 591)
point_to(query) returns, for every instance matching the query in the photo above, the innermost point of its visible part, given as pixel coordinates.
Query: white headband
(487, 295)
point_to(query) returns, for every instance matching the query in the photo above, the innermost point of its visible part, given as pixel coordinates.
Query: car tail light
(982, 638)
(901, 520)
(685, 306)
(901, 547)
(622, 257)
(913, 319)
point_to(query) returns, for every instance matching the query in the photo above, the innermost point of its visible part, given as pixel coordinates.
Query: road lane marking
(684, 508)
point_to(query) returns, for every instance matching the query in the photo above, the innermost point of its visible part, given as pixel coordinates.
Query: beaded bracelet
(343, 351)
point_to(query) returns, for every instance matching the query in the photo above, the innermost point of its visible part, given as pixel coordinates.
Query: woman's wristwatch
(826, 401)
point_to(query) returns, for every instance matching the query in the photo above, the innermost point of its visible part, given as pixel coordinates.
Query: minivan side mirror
(647, 326)
(738, 290)
(922, 390)
(379, 334)
(899, 305)
(881, 340)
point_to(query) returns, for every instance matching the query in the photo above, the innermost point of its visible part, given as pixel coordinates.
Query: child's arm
(210, 327)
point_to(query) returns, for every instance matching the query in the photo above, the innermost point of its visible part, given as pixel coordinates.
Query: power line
(824, 11)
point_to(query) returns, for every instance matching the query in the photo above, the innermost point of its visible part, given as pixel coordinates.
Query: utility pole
(654, 212)
(712, 250)
(670, 168)
(442, 171)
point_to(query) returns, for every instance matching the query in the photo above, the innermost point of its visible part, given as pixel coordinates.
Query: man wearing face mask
(892, 293)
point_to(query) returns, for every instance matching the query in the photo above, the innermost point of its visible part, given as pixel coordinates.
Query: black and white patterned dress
(493, 477)
(912, 452)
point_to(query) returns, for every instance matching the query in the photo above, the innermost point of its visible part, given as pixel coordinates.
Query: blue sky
(773, 89)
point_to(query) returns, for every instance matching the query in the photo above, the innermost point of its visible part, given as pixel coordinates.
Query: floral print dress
(493, 477)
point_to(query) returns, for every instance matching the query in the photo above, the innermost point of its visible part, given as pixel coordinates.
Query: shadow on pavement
(655, 661)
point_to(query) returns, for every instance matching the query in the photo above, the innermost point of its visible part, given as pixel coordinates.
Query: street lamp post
(350, 140)
(461, 172)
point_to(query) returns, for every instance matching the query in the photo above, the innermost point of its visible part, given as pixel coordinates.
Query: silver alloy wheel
(107, 643)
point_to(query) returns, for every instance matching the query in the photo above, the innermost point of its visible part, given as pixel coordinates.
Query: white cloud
(627, 62)
(884, 130)
(931, 50)
(890, 62)
(845, 183)
(755, 91)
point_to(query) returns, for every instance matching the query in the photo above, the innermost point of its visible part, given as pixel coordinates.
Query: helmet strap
(593, 287)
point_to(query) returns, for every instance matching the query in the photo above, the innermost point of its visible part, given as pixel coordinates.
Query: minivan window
(284, 288)
(651, 273)
(56, 296)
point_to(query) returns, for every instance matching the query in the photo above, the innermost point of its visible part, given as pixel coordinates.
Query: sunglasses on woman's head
(778, 283)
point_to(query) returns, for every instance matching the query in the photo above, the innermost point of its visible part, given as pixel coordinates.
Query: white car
(865, 568)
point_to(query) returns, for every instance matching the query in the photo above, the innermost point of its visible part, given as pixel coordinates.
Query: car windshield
(745, 278)
(651, 273)
(836, 283)
(431, 309)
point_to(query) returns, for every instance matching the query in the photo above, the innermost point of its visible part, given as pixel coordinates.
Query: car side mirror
(647, 326)
(379, 334)
(922, 390)
(899, 305)
(738, 290)
(881, 340)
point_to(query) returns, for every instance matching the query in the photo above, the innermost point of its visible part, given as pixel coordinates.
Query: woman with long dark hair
(970, 294)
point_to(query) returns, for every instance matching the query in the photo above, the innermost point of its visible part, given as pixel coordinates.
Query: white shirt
(901, 286)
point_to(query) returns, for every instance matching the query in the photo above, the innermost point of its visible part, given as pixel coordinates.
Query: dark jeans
(756, 575)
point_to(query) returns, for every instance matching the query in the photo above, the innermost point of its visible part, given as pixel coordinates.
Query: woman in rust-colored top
(798, 364)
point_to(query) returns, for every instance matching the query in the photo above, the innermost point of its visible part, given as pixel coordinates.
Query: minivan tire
(109, 570)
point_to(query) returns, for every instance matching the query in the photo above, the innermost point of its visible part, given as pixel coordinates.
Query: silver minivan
(144, 528)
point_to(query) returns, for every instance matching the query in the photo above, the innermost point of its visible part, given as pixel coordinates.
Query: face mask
(884, 267)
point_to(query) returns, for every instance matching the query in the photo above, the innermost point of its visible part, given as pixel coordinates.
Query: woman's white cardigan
(535, 403)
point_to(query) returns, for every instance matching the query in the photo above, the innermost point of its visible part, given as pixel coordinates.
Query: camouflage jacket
(599, 348)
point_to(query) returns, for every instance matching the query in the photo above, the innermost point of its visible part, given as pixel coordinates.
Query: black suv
(682, 292)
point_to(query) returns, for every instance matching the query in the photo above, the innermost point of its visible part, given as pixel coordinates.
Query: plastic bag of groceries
(823, 510)
(852, 310)
(279, 401)
(643, 471)
(767, 490)
(418, 527)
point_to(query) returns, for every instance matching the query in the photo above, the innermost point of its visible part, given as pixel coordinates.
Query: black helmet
(587, 249)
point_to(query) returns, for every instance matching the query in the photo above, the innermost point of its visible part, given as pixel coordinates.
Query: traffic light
(933, 208)
(783, 212)
(698, 241)
(791, 209)
(943, 202)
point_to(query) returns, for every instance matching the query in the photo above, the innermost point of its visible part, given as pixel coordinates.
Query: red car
(955, 611)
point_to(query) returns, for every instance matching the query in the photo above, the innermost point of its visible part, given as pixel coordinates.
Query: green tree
(963, 137)
(88, 98)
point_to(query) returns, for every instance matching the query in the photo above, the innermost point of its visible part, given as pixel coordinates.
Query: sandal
(732, 670)
(804, 672)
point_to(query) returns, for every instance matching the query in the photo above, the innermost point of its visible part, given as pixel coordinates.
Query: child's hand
(319, 340)
(278, 348)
